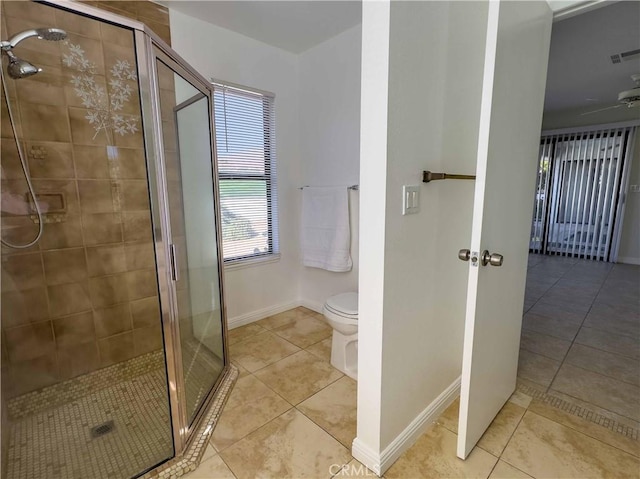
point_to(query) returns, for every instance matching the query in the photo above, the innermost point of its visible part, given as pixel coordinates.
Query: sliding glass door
(579, 184)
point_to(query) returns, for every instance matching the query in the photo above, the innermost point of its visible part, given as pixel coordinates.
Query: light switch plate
(410, 199)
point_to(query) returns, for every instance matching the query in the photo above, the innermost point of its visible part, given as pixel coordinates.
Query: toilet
(341, 312)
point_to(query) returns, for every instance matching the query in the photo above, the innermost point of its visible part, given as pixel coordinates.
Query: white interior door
(515, 70)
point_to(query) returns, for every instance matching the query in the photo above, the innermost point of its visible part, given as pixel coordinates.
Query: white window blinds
(245, 143)
(580, 182)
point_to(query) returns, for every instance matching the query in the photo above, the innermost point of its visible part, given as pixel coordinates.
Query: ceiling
(294, 26)
(581, 73)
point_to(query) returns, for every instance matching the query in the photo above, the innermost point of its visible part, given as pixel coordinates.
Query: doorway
(581, 325)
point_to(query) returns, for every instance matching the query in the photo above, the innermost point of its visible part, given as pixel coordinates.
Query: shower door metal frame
(150, 46)
(154, 51)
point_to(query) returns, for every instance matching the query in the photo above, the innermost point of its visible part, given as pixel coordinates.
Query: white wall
(329, 85)
(225, 55)
(426, 287)
(373, 190)
(436, 52)
(630, 241)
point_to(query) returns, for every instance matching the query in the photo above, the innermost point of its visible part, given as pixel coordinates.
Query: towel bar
(428, 176)
(352, 187)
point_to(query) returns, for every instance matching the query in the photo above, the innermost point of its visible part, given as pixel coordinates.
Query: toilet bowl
(341, 312)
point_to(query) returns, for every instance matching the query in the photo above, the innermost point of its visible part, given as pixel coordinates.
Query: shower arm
(11, 43)
(51, 34)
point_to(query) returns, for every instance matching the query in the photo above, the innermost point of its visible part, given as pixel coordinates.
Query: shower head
(19, 68)
(51, 34)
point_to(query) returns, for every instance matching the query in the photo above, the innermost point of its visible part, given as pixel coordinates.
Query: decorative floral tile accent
(104, 109)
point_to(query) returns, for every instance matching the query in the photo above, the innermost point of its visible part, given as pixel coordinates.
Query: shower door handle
(175, 272)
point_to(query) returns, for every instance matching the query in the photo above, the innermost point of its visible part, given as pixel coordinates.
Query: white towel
(326, 237)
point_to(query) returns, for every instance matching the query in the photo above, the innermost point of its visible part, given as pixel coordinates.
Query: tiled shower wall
(151, 14)
(85, 296)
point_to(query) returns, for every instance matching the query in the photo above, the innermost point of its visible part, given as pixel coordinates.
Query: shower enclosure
(113, 320)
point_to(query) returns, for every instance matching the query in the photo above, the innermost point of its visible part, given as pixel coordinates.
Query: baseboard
(628, 260)
(366, 455)
(379, 463)
(253, 316)
(419, 425)
(312, 305)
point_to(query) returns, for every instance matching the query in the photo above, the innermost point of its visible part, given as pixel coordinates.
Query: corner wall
(630, 239)
(215, 52)
(415, 307)
(329, 85)
(434, 109)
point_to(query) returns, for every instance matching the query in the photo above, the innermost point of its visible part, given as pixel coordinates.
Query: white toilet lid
(345, 303)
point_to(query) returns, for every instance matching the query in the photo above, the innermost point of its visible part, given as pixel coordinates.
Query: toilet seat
(344, 305)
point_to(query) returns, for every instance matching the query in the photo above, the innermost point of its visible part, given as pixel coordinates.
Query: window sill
(250, 262)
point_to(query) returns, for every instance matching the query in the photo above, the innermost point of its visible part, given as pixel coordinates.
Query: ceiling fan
(628, 98)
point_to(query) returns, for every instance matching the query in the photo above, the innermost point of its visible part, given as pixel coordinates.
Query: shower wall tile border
(192, 456)
(81, 386)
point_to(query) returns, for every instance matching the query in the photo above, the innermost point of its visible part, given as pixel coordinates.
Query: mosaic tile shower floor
(56, 442)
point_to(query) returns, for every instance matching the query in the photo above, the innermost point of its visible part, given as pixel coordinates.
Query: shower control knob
(494, 259)
(464, 254)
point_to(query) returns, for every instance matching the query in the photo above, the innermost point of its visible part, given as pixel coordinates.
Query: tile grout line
(534, 304)
(219, 452)
(581, 323)
(604, 376)
(295, 406)
(580, 344)
(292, 406)
(574, 409)
(579, 431)
(508, 441)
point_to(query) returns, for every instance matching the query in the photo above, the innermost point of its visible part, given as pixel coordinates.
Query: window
(245, 143)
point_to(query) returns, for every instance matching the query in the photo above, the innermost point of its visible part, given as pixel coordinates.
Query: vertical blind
(246, 151)
(579, 188)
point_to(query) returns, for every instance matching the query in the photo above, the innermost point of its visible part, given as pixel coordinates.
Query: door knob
(494, 259)
(464, 254)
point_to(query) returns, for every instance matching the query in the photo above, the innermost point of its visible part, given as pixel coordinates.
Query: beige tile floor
(581, 333)
(292, 415)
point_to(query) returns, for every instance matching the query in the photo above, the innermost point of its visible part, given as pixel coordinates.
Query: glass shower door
(185, 107)
(84, 390)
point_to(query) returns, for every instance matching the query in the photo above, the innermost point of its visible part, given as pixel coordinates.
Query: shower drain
(102, 429)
